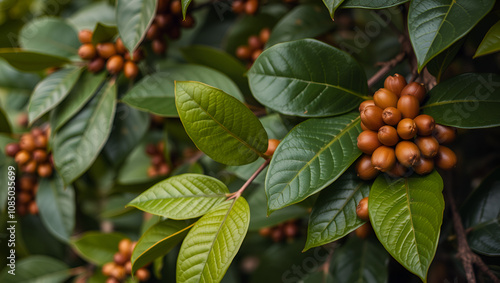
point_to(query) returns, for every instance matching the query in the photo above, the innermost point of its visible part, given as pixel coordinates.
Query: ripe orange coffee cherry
(251, 7)
(388, 135)
(188, 22)
(153, 32)
(29, 167)
(265, 232)
(424, 166)
(176, 7)
(444, 134)
(363, 127)
(364, 231)
(372, 117)
(120, 47)
(44, 170)
(125, 247)
(159, 46)
(407, 129)
(119, 258)
(383, 158)
(409, 106)
(11, 149)
(395, 84)
(108, 268)
(277, 235)
(414, 89)
(254, 42)
(163, 21)
(130, 70)
(407, 153)
(87, 51)
(391, 116)
(22, 157)
(24, 197)
(142, 274)
(365, 169)
(85, 36)
(425, 124)
(163, 169)
(27, 142)
(364, 104)
(41, 141)
(264, 35)
(445, 158)
(112, 280)
(118, 272)
(39, 155)
(271, 146)
(362, 209)
(368, 141)
(398, 170)
(427, 145)
(27, 183)
(33, 208)
(106, 50)
(114, 64)
(238, 6)
(290, 229)
(256, 54)
(96, 65)
(385, 98)
(243, 52)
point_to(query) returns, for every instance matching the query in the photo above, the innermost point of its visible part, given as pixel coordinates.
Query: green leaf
(491, 41)
(185, 5)
(133, 18)
(334, 213)
(481, 214)
(220, 125)
(436, 25)
(5, 126)
(156, 93)
(212, 243)
(81, 93)
(332, 6)
(182, 197)
(57, 207)
(466, 101)
(30, 61)
(50, 35)
(406, 215)
(360, 261)
(77, 144)
(324, 81)
(313, 155)
(373, 4)
(301, 22)
(103, 33)
(51, 91)
(37, 268)
(440, 63)
(97, 247)
(89, 15)
(157, 241)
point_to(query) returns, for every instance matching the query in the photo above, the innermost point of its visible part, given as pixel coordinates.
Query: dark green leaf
(332, 6)
(29, 61)
(97, 247)
(185, 5)
(491, 41)
(373, 4)
(323, 82)
(438, 64)
(4, 122)
(103, 33)
(135, 167)
(37, 269)
(133, 18)
(88, 16)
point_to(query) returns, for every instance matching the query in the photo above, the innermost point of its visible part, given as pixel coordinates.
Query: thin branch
(387, 66)
(250, 180)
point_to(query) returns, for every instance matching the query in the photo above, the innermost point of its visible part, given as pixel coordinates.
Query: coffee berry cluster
(159, 166)
(120, 268)
(248, 7)
(250, 52)
(286, 231)
(396, 139)
(113, 56)
(366, 229)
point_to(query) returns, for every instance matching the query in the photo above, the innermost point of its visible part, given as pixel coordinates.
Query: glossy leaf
(481, 214)
(374, 4)
(220, 125)
(89, 15)
(37, 268)
(334, 213)
(157, 241)
(156, 93)
(312, 156)
(406, 215)
(323, 82)
(30, 61)
(77, 144)
(5, 126)
(185, 5)
(440, 63)
(97, 247)
(212, 243)
(434, 26)
(103, 33)
(332, 6)
(182, 197)
(133, 18)
(466, 101)
(51, 91)
(491, 41)
(56, 203)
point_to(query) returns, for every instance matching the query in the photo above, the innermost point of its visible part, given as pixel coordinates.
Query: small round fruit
(383, 158)
(398, 171)
(188, 22)
(385, 98)
(27, 142)
(363, 127)
(388, 135)
(368, 141)
(163, 20)
(407, 153)
(365, 103)
(409, 106)
(254, 42)
(364, 231)
(243, 52)
(132, 247)
(22, 157)
(118, 272)
(114, 64)
(33, 208)
(152, 171)
(162, 6)
(427, 145)
(362, 209)
(112, 280)
(265, 232)
(36, 132)
(24, 197)
(264, 35)
(159, 46)
(41, 141)
(85, 36)
(365, 169)
(175, 7)
(44, 170)
(29, 167)
(444, 134)
(87, 51)
(124, 247)
(407, 129)
(163, 169)
(128, 267)
(414, 89)
(424, 166)
(39, 155)
(119, 258)
(391, 116)
(106, 50)
(425, 124)
(27, 183)
(142, 274)
(271, 146)
(291, 229)
(256, 54)
(372, 117)
(153, 32)
(395, 84)
(11, 149)
(251, 7)
(137, 55)
(445, 158)
(277, 235)
(130, 70)
(120, 47)
(96, 65)
(108, 268)
(238, 6)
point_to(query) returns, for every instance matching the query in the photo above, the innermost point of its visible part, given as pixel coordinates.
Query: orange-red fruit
(118, 272)
(27, 142)
(29, 167)
(163, 169)
(22, 157)
(96, 65)
(388, 135)
(362, 209)
(159, 46)
(153, 32)
(119, 258)
(291, 229)
(142, 274)
(108, 268)
(395, 84)
(364, 230)
(409, 106)
(427, 145)
(238, 6)
(372, 117)
(243, 52)
(385, 98)
(363, 127)
(445, 158)
(87, 51)
(175, 7)
(444, 134)
(425, 124)
(125, 246)
(277, 235)
(391, 116)
(424, 166)
(264, 35)
(251, 7)
(254, 42)
(44, 170)
(11, 149)
(27, 183)
(130, 70)
(85, 36)
(188, 22)
(128, 267)
(256, 54)
(364, 104)
(407, 129)
(163, 20)
(271, 146)
(265, 232)
(39, 155)
(407, 153)
(398, 170)
(137, 55)
(368, 141)
(112, 280)
(120, 47)
(33, 208)
(365, 169)
(114, 64)
(106, 50)
(383, 158)
(41, 141)
(24, 197)
(152, 171)
(414, 89)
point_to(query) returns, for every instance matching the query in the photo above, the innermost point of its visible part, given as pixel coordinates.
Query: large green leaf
(220, 125)
(133, 18)
(56, 203)
(334, 213)
(96, 247)
(158, 240)
(324, 80)
(491, 41)
(89, 15)
(313, 155)
(182, 197)
(212, 243)
(373, 4)
(50, 35)
(77, 144)
(30, 61)
(156, 93)
(481, 214)
(438, 64)
(406, 215)
(437, 24)
(301, 22)
(332, 6)
(37, 269)
(103, 33)
(51, 91)
(466, 101)
(361, 261)
(5, 126)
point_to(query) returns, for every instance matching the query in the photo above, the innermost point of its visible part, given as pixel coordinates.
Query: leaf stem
(250, 180)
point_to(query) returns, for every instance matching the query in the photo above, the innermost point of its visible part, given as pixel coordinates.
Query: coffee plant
(250, 141)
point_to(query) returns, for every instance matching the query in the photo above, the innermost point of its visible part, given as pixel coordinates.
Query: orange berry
(85, 36)
(87, 51)
(130, 70)
(115, 64)
(271, 147)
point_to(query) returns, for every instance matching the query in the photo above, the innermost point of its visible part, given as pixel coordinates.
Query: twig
(250, 180)
(387, 66)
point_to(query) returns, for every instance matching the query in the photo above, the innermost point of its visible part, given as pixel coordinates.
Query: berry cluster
(288, 230)
(248, 7)
(159, 166)
(250, 52)
(120, 267)
(114, 56)
(364, 230)
(27, 189)
(396, 138)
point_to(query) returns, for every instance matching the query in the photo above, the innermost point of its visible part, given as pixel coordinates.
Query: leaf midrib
(438, 29)
(440, 103)
(407, 190)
